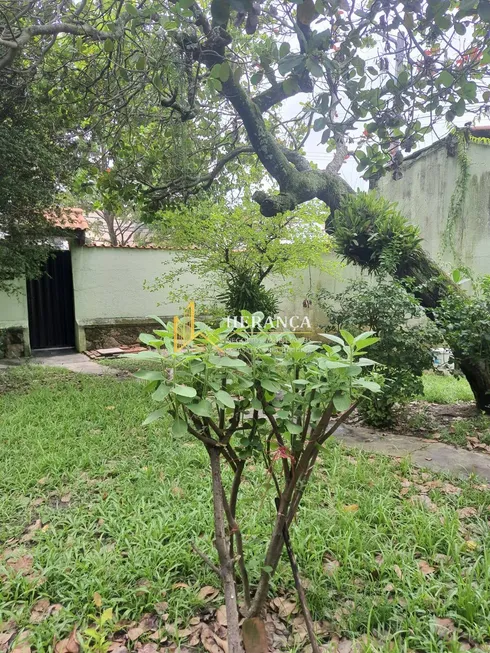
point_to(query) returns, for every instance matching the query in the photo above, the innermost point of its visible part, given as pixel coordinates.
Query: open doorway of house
(51, 304)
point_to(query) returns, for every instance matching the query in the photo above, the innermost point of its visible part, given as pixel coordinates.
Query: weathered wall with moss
(424, 197)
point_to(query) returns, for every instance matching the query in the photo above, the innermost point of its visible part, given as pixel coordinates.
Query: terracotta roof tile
(68, 218)
(107, 245)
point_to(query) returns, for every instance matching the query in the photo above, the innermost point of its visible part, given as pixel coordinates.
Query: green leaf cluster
(371, 232)
(226, 385)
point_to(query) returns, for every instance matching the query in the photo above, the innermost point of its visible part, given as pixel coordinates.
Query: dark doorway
(51, 306)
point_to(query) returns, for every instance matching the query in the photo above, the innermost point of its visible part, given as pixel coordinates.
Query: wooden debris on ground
(114, 352)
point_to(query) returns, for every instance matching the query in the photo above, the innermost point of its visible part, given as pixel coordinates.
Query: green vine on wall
(458, 197)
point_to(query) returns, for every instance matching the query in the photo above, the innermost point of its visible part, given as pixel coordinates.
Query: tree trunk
(478, 375)
(225, 561)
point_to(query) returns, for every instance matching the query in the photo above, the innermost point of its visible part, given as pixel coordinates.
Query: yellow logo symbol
(184, 332)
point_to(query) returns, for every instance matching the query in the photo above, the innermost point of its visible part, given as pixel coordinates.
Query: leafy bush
(271, 396)
(245, 292)
(404, 348)
(465, 321)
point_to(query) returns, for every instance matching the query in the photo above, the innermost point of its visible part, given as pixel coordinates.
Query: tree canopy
(227, 246)
(201, 84)
(37, 158)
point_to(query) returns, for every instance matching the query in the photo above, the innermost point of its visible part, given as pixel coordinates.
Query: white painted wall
(13, 308)
(109, 283)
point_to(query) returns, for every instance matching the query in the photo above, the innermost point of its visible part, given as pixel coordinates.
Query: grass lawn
(91, 502)
(439, 389)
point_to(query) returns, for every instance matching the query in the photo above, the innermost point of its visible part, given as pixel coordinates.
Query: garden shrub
(261, 396)
(244, 292)
(406, 339)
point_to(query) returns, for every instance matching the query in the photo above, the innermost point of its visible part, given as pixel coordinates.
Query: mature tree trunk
(477, 374)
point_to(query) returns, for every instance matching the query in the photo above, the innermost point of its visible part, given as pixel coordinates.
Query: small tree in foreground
(263, 395)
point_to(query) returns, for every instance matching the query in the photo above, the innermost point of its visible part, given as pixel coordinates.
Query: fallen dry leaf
(5, 639)
(207, 593)
(330, 567)
(22, 648)
(424, 500)
(68, 645)
(448, 488)
(442, 558)
(221, 616)
(464, 513)
(425, 568)
(142, 584)
(158, 636)
(344, 646)
(398, 571)
(40, 611)
(433, 484)
(66, 498)
(284, 607)
(209, 642)
(149, 648)
(444, 627)
(134, 633)
(29, 535)
(117, 647)
(148, 622)
(161, 608)
(353, 507)
(21, 565)
(177, 586)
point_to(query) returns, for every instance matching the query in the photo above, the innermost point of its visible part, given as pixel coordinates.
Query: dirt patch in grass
(461, 425)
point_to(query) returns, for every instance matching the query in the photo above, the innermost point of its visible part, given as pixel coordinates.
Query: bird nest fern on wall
(372, 233)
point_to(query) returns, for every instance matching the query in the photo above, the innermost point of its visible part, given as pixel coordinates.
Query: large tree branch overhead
(18, 41)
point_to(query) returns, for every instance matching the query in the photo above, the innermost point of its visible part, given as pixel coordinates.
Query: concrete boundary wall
(111, 298)
(423, 195)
